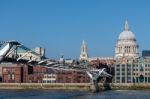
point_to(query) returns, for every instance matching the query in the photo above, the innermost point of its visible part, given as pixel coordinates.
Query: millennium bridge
(13, 51)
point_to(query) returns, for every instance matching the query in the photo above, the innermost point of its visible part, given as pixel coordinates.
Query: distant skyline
(60, 26)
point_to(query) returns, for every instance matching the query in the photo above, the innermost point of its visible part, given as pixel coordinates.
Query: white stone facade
(126, 45)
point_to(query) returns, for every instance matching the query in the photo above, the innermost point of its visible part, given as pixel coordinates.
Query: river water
(49, 94)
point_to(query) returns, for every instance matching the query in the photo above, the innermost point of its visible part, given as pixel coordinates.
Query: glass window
(145, 65)
(145, 79)
(118, 65)
(118, 78)
(118, 73)
(123, 65)
(123, 73)
(123, 79)
(129, 69)
(123, 69)
(148, 79)
(145, 73)
(129, 73)
(129, 65)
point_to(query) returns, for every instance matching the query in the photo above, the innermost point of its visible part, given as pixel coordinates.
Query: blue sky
(60, 25)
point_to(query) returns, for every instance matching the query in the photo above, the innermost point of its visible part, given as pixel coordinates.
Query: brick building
(37, 75)
(22, 73)
(72, 77)
(12, 74)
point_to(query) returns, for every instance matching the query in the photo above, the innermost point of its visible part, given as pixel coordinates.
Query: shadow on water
(107, 86)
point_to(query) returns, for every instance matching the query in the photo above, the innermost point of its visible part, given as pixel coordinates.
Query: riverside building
(130, 67)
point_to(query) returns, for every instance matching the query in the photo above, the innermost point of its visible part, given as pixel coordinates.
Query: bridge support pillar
(94, 86)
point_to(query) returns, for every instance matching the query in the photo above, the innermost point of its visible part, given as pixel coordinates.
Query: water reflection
(49, 94)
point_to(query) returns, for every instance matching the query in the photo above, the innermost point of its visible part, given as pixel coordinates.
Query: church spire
(84, 51)
(126, 26)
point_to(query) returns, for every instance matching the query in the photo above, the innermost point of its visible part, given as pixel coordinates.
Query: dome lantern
(126, 26)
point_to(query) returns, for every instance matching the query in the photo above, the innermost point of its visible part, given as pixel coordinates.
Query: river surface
(49, 94)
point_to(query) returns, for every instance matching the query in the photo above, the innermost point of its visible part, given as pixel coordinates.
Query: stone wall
(75, 86)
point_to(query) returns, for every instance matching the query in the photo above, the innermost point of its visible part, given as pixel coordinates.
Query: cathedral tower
(84, 51)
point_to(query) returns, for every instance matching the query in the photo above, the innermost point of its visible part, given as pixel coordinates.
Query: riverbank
(52, 86)
(75, 86)
(124, 86)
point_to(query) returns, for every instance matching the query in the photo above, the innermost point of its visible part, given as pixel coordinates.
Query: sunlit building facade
(130, 67)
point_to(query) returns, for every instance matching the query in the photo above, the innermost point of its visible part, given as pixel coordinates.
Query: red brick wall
(37, 75)
(11, 74)
(39, 69)
(35, 78)
(72, 77)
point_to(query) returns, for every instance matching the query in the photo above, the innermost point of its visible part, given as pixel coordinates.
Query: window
(129, 65)
(145, 65)
(123, 73)
(123, 69)
(148, 79)
(129, 69)
(13, 77)
(8, 76)
(123, 79)
(129, 73)
(145, 73)
(118, 78)
(118, 65)
(118, 73)
(123, 65)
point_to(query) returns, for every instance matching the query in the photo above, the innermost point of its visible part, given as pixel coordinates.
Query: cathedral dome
(126, 45)
(126, 35)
